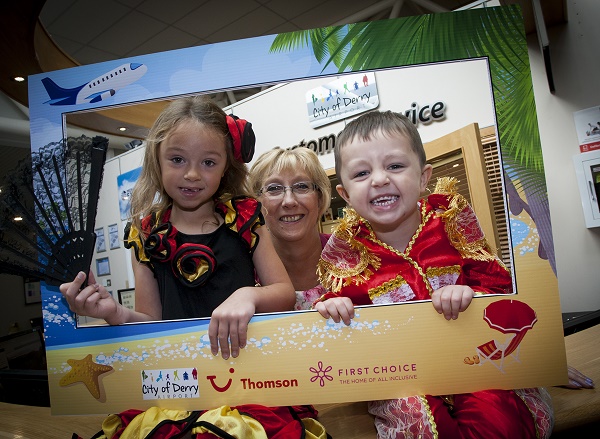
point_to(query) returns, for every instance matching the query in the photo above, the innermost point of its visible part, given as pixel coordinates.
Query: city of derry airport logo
(170, 383)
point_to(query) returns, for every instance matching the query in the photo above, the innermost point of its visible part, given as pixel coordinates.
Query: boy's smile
(382, 179)
(384, 200)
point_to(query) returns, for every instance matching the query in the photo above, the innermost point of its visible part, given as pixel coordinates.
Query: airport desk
(577, 411)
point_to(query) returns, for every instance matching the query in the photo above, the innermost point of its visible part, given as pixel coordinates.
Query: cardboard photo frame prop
(298, 357)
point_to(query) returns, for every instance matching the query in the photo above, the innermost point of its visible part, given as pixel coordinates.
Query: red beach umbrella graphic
(510, 316)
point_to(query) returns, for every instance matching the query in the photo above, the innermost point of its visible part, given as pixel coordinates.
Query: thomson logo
(250, 384)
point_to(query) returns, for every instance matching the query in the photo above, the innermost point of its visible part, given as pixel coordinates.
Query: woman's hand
(94, 300)
(577, 380)
(452, 299)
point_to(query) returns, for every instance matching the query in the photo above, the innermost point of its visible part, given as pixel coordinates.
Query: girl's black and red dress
(196, 273)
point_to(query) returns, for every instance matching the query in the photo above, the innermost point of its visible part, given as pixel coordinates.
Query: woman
(294, 191)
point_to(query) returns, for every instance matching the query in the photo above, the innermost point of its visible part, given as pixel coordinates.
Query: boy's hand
(452, 299)
(338, 308)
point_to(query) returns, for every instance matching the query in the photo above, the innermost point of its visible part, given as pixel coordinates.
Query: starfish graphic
(87, 372)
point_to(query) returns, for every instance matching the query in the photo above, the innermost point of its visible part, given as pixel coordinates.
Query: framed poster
(125, 183)
(587, 125)
(100, 240)
(113, 236)
(32, 292)
(102, 266)
(127, 297)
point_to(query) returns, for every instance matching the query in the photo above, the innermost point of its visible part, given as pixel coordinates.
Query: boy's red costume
(448, 248)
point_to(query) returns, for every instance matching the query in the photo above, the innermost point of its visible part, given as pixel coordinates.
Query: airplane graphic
(96, 90)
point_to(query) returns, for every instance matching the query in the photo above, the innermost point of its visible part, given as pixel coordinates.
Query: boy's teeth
(384, 200)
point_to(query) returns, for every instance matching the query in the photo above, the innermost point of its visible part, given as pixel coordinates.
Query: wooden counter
(28, 422)
(347, 420)
(577, 411)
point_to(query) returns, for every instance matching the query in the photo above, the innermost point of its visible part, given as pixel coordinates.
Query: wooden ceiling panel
(27, 49)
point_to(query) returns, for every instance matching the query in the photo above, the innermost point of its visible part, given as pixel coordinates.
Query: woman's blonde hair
(148, 194)
(279, 160)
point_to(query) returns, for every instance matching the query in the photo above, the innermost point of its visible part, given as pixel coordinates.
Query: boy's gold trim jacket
(448, 248)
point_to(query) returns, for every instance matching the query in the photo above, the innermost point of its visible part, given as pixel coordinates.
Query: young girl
(197, 240)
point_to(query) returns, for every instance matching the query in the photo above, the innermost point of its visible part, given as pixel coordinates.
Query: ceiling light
(122, 129)
(18, 78)
(18, 218)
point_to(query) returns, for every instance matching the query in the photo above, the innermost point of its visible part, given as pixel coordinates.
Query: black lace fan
(48, 210)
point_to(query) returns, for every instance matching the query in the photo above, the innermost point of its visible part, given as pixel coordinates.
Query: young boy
(394, 247)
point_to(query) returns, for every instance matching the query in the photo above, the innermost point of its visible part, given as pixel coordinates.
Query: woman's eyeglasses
(277, 190)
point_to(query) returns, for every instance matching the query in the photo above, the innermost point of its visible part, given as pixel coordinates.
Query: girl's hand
(94, 300)
(337, 308)
(452, 299)
(229, 323)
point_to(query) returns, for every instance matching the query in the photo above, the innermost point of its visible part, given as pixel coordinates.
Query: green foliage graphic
(495, 33)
